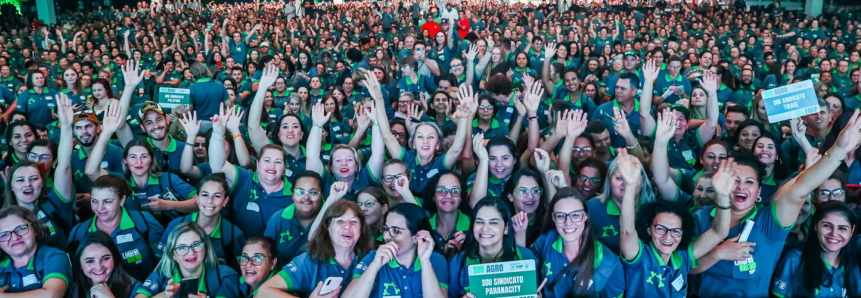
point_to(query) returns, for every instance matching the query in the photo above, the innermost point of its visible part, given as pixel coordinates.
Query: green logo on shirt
(289, 238)
(656, 276)
(254, 194)
(79, 174)
(547, 265)
(386, 288)
(612, 228)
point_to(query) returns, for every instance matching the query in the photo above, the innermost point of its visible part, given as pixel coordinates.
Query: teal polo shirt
(207, 96)
(302, 274)
(227, 240)
(252, 205)
(552, 261)
(605, 222)
(647, 275)
(46, 263)
(38, 107)
(289, 235)
(462, 225)
(394, 279)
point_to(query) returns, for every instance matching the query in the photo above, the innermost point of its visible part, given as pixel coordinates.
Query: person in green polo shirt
(257, 265)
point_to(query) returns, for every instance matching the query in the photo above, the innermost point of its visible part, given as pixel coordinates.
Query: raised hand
(542, 160)
(235, 120)
(425, 245)
(190, 124)
(219, 122)
(478, 147)
(133, 74)
(65, 113)
(650, 71)
(518, 104)
(319, 115)
(520, 222)
(562, 121)
(710, 82)
(666, 127)
(470, 55)
(113, 119)
(371, 82)
(549, 50)
(372, 113)
(468, 102)
(532, 98)
(402, 186)
(724, 181)
(577, 123)
(557, 178)
(622, 127)
(629, 167)
(338, 190)
(268, 77)
(851, 134)
(798, 128)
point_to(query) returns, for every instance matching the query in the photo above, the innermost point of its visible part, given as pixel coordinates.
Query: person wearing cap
(87, 129)
(264, 48)
(671, 86)
(630, 62)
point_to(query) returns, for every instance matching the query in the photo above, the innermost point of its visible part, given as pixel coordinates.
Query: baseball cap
(150, 106)
(264, 44)
(86, 116)
(630, 53)
(681, 109)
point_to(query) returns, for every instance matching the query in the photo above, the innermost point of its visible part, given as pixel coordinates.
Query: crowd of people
(625, 148)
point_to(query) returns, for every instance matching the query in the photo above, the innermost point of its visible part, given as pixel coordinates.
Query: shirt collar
(675, 258)
(612, 208)
(126, 222)
(170, 147)
(670, 79)
(152, 180)
(216, 233)
(461, 225)
(558, 246)
(287, 191)
(417, 267)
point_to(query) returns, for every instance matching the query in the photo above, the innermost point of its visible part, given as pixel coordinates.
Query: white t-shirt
(288, 9)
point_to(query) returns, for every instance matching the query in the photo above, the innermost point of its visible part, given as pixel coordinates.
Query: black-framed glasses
(390, 178)
(399, 134)
(575, 216)
(593, 180)
(255, 260)
(586, 150)
(184, 249)
(837, 192)
(442, 191)
(536, 191)
(369, 204)
(393, 231)
(38, 156)
(661, 230)
(20, 231)
(301, 192)
(199, 144)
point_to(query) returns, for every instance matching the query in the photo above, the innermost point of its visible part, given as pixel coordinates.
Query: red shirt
(432, 28)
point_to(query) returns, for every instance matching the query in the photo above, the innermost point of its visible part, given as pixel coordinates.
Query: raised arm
(315, 139)
(798, 134)
(629, 166)
(710, 83)
(532, 101)
(217, 153)
(63, 172)
(624, 130)
(336, 192)
(650, 73)
(482, 63)
(378, 146)
(470, 66)
(255, 131)
(373, 86)
(191, 126)
(133, 74)
(576, 122)
(126, 46)
(723, 182)
(479, 186)
(549, 52)
(792, 195)
(110, 123)
(464, 114)
(661, 171)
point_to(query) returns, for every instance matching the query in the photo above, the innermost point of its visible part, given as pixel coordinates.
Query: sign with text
(515, 279)
(791, 101)
(170, 98)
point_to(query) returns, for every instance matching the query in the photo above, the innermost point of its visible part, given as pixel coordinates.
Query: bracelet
(189, 144)
(236, 136)
(632, 147)
(533, 118)
(828, 154)
(722, 207)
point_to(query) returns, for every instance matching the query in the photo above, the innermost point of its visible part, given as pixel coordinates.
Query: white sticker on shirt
(49, 97)
(679, 283)
(288, 172)
(432, 172)
(253, 207)
(30, 279)
(125, 238)
(104, 164)
(688, 155)
(336, 128)
(40, 215)
(509, 110)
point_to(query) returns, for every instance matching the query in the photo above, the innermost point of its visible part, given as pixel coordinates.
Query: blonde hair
(167, 265)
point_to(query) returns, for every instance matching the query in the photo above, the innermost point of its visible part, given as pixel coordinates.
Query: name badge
(432, 172)
(49, 97)
(288, 172)
(688, 155)
(679, 283)
(253, 207)
(336, 128)
(125, 238)
(509, 110)
(30, 279)
(104, 164)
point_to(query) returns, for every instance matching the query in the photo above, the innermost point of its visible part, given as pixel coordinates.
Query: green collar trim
(461, 225)
(636, 105)
(289, 212)
(750, 215)
(203, 80)
(612, 208)
(670, 79)
(126, 222)
(493, 124)
(216, 233)
(288, 187)
(675, 259)
(558, 245)
(417, 267)
(152, 180)
(170, 147)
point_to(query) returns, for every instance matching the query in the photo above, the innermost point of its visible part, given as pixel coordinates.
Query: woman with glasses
(831, 189)
(486, 123)
(99, 273)
(344, 163)
(526, 196)
(407, 264)
(290, 227)
(449, 211)
(212, 197)
(659, 236)
(396, 182)
(281, 93)
(135, 232)
(39, 101)
(341, 238)
(33, 268)
(491, 240)
(374, 204)
(189, 255)
(257, 264)
(589, 177)
(825, 265)
(51, 197)
(572, 261)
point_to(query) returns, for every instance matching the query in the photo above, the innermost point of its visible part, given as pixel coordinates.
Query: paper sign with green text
(515, 279)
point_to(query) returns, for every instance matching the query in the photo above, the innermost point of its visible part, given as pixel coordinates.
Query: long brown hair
(9, 198)
(583, 264)
(320, 247)
(38, 228)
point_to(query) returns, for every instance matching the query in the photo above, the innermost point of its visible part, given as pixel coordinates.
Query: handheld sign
(170, 98)
(515, 279)
(791, 101)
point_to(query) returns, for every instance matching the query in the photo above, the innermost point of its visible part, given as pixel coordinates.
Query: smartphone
(141, 198)
(331, 285)
(189, 287)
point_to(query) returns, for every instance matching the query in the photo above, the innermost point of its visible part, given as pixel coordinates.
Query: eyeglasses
(199, 144)
(38, 156)
(399, 134)
(256, 260)
(834, 192)
(393, 231)
(20, 231)
(661, 230)
(390, 178)
(586, 150)
(487, 107)
(442, 191)
(184, 249)
(301, 192)
(456, 65)
(575, 216)
(536, 191)
(593, 180)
